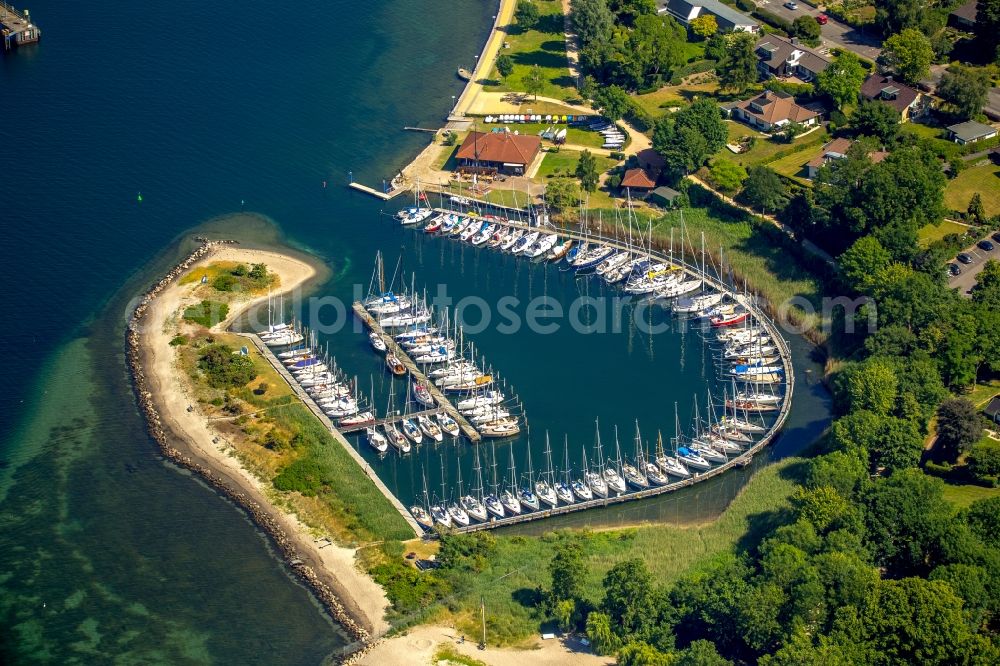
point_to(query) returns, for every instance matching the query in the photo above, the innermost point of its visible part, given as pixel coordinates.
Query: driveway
(834, 33)
(967, 280)
(992, 108)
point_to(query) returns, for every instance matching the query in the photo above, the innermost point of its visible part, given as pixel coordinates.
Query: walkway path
(572, 45)
(505, 18)
(807, 244)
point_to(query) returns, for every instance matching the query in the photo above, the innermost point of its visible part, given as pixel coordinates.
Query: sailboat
(473, 504)
(564, 488)
(440, 511)
(508, 497)
(429, 428)
(526, 494)
(611, 475)
(448, 424)
(395, 366)
(595, 480)
(455, 510)
(669, 464)
(421, 513)
(544, 486)
(492, 501)
(632, 473)
(377, 440)
(646, 466)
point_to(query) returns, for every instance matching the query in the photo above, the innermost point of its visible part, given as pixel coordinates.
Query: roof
(833, 148)
(993, 408)
(902, 94)
(728, 17)
(776, 107)
(650, 160)
(970, 130)
(665, 193)
(499, 147)
(638, 179)
(967, 11)
(782, 48)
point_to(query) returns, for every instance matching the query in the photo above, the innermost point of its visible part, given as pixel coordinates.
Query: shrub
(773, 20)
(224, 369)
(224, 282)
(305, 476)
(240, 270)
(179, 340)
(984, 461)
(207, 313)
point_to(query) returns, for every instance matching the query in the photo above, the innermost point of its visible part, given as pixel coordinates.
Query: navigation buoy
(139, 197)
(324, 184)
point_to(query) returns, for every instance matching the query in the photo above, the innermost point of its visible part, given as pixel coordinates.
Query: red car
(822, 19)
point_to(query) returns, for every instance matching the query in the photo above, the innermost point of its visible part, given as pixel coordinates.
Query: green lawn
(766, 149)
(544, 46)
(964, 495)
(574, 135)
(667, 96)
(794, 166)
(935, 232)
(564, 163)
(520, 564)
(982, 392)
(983, 179)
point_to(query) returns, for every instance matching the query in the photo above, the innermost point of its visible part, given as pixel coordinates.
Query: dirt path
(335, 565)
(418, 647)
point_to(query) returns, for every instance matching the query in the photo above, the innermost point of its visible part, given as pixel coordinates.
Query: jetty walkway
(307, 400)
(741, 460)
(443, 403)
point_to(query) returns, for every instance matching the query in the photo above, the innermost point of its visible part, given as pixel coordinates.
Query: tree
(562, 194)
(690, 136)
(958, 425)
(984, 460)
(612, 101)
(983, 518)
(704, 26)
(976, 212)
(863, 262)
(602, 637)
(988, 27)
(873, 118)
(896, 15)
(526, 14)
(656, 44)
(727, 175)
(225, 369)
(841, 471)
(586, 171)
(628, 596)
(738, 70)
(715, 47)
(910, 54)
(565, 612)
(505, 65)
(592, 21)
(763, 189)
(701, 653)
(807, 29)
(841, 80)
(871, 385)
(965, 90)
(638, 653)
(568, 571)
(534, 81)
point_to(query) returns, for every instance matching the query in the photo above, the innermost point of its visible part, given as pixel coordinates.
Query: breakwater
(260, 515)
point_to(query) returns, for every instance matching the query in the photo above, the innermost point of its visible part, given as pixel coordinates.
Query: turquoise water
(108, 555)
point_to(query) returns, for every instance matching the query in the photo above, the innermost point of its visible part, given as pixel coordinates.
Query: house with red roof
(498, 152)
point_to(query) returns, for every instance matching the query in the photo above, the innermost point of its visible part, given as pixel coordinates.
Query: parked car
(791, 4)
(996, 236)
(985, 245)
(822, 19)
(964, 258)
(954, 269)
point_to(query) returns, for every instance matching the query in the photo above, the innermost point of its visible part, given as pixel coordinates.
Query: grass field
(983, 179)
(656, 102)
(794, 166)
(963, 496)
(766, 150)
(574, 135)
(564, 163)
(982, 392)
(934, 232)
(543, 46)
(520, 565)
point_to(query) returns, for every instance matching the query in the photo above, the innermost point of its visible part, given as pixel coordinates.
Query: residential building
(970, 132)
(663, 196)
(909, 102)
(964, 17)
(638, 179)
(837, 150)
(782, 57)
(492, 152)
(771, 110)
(992, 410)
(727, 18)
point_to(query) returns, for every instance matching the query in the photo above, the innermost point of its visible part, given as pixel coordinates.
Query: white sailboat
(544, 487)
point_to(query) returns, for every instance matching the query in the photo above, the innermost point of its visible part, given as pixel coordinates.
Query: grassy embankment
(274, 435)
(508, 580)
(543, 46)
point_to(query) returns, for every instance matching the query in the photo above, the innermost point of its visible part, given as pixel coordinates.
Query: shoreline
(345, 593)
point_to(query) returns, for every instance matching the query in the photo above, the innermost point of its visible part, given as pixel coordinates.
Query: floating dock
(384, 196)
(443, 403)
(17, 28)
(307, 400)
(739, 461)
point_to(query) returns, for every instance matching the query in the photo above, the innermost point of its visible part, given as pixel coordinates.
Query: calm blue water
(105, 553)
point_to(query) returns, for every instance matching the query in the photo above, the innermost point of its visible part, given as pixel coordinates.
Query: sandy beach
(363, 599)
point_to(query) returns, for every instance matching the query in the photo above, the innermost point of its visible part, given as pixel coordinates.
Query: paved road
(833, 34)
(967, 279)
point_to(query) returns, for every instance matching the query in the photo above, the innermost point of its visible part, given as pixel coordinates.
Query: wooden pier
(739, 461)
(307, 400)
(16, 27)
(443, 403)
(384, 196)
